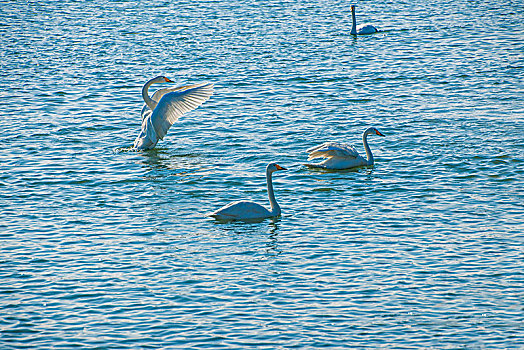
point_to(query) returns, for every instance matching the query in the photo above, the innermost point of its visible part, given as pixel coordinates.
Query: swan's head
(161, 79)
(378, 132)
(373, 131)
(272, 167)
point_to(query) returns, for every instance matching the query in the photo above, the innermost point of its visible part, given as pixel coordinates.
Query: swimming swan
(342, 156)
(361, 29)
(165, 107)
(245, 210)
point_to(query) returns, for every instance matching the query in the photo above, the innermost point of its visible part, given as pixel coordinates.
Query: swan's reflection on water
(272, 243)
(159, 163)
(265, 227)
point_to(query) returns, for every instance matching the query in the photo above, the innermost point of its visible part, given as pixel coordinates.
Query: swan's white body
(246, 210)
(342, 156)
(361, 29)
(165, 107)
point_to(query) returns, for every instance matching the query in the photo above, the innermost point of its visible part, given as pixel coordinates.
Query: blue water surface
(102, 247)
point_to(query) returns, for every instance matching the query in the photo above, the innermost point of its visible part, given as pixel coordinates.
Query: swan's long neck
(354, 26)
(275, 208)
(371, 160)
(145, 95)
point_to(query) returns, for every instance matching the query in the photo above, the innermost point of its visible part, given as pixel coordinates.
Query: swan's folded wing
(146, 111)
(332, 149)
(175, 103)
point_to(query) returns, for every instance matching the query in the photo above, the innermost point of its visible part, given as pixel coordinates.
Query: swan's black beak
(379, 133)
(279, 167)
(168, 80)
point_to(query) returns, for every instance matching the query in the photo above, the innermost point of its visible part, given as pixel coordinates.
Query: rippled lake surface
(102, 247)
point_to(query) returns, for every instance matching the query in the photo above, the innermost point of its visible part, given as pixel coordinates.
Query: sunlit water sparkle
(103, 247)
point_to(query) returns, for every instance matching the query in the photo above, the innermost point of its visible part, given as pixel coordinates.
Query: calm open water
(106, 248)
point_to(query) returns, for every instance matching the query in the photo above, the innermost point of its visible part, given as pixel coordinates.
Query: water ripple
(103, 247)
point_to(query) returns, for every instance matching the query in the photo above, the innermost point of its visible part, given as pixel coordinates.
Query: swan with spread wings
(165, 107)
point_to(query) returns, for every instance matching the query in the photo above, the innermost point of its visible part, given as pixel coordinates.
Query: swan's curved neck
(145, 95)
(354, 26)
(275, 208)
(371, 160)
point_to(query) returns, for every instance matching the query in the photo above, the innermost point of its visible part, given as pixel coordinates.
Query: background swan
(165, 107)
(361, 29)
(245, 210)
(342, 156)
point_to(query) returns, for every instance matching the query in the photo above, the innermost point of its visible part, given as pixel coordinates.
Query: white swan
(361, 29)
(247, 211)
(165, 107)
(342, 156)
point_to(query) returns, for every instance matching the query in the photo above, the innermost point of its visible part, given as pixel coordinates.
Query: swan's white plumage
(247, 210)
(174, 104)
(165, 107)
(241, 210)
(338, 156)
(332, 149)
(363, 29)
(161, 92)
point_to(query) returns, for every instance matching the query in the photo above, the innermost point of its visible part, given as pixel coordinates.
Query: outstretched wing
(175, 103)
(332, 149)
(157, 96)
